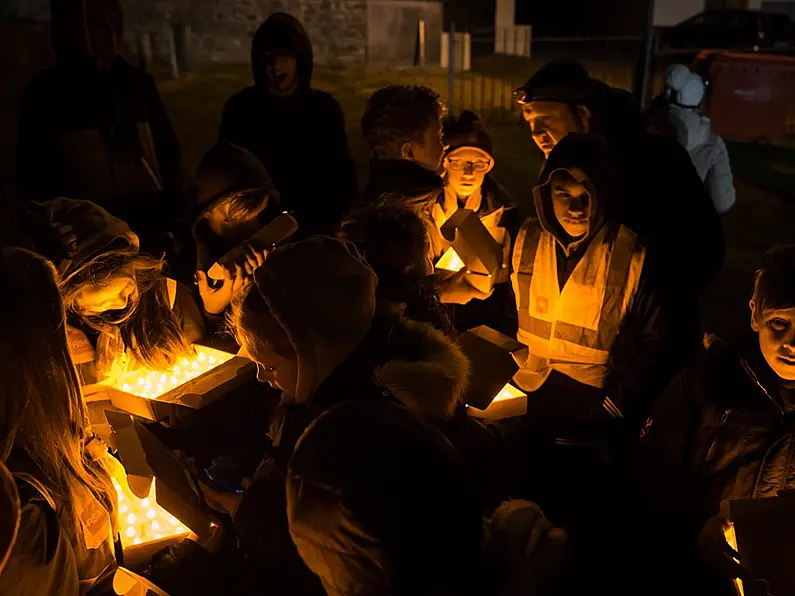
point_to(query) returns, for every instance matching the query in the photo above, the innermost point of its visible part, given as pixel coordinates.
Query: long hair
(148, 327)
(42, 415)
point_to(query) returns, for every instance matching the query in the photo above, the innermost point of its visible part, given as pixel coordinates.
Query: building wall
(672, 12)
(221, 30)
(392, 31)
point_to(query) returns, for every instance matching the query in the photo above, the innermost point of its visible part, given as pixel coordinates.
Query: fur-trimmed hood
(428, 372)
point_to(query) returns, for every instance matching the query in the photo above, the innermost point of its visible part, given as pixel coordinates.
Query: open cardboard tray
(176, 491)
(490, 395)
(192, 394)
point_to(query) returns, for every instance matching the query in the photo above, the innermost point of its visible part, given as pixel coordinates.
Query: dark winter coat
(379, 502)
(300, 139)
(98, 135)
(408, 364)
(723, 430)
(401, 177)
(667, 203)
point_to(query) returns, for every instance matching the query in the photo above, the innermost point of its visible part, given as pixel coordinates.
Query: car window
(778, 28)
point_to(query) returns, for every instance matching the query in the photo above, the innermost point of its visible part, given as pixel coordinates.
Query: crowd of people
(375, 479)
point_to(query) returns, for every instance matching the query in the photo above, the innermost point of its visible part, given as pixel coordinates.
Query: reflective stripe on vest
(573, 330)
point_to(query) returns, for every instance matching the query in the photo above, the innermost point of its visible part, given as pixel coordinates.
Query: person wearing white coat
(684, 91)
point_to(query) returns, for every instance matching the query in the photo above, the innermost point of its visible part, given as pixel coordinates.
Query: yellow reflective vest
(572, 330)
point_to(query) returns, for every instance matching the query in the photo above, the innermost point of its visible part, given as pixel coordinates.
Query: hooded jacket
(225, 170)
(96, 134)
(323, 295)
(379, 502)
(708, 152)
(653, 334)
(668, 206)
(96, 231)
(301, 138)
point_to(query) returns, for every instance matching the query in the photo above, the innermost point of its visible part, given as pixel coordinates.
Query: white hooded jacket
(708, 153)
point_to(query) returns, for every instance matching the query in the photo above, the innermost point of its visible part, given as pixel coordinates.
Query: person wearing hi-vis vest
(602, 337)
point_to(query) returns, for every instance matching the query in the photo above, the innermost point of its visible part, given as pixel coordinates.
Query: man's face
(776, 329)
(282, 72)
(429, 153)
(466, 169)
(550, 121)
(571, 202)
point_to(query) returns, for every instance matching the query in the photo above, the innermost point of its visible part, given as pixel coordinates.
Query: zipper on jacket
(721, 422)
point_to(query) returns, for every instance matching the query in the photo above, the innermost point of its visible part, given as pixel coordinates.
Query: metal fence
(487, 87)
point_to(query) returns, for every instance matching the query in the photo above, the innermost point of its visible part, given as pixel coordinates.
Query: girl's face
(277, 370)
(776, 329)
(466, 169)
(116, 294)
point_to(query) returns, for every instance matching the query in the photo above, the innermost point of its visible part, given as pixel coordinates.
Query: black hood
(69, 27)
(401, 177)
(282, 31)
(591, 159)
(227, 169)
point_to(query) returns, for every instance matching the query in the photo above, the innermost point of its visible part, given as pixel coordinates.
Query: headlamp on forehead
(520, 95)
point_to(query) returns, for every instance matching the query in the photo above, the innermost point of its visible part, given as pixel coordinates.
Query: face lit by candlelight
(776, 329)
(271, 350)
(466, 168)
(571, 202)
(115, 294)
(550, 121)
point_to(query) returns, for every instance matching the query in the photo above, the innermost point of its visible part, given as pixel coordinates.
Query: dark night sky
(558, 17)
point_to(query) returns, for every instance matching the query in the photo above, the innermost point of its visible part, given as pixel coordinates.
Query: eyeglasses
(462, 164)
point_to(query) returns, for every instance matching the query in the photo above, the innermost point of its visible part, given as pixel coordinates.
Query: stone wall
(221, 30)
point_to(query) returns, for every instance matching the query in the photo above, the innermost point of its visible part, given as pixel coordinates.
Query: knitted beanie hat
(467, 130)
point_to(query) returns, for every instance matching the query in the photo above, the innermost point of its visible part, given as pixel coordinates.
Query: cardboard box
(490, 394)
(765, 531)
(473, 247)
(161, 396)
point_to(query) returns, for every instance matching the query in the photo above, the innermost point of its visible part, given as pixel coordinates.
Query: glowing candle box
(145, 457)
(490, 394)
(143, 520)
(192, 383)
(472, 247)
(765, 538)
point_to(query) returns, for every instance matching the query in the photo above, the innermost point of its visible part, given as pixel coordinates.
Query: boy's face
(466, 169)
(429, 153)
(776, 329)
(550, 121)
(571, 202)
(282, 69)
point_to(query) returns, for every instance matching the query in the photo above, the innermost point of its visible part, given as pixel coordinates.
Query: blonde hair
(148, 326)
(42, 414)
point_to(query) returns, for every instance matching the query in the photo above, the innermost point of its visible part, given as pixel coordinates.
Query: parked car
(729, 29)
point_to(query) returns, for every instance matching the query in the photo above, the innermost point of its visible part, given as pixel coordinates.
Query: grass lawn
(760, 219)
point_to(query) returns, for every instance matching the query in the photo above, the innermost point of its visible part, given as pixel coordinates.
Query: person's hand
(254, 258)
(716, 550)
(456, 290)
(215, 300)
(221, 501)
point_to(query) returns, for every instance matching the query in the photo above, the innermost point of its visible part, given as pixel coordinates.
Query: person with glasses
(468, 161)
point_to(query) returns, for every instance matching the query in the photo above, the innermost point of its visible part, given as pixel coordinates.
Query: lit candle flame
(450, 261)
(151, 384)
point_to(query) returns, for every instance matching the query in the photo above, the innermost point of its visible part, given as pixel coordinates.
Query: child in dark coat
(722, 431)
